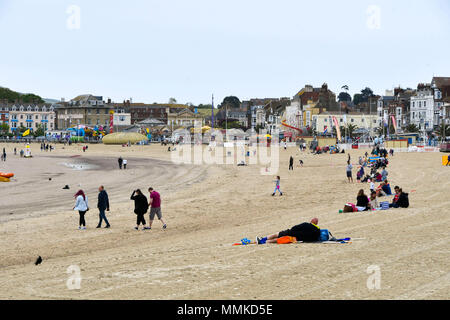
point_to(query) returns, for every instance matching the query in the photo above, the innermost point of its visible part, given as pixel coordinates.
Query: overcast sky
(190, 49)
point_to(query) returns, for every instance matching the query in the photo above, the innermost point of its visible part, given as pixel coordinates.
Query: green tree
(204, 106)
(444, 131)
(412, 128)
(4, 129)
(364, 96)
(172, 101)
(231, 102)
(344, 97)
(13, 96)
(231, 125)
(367, 93)
(39, 132)
(357, 98)
(350, 130)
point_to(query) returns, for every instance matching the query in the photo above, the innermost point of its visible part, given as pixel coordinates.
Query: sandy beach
(208, 208)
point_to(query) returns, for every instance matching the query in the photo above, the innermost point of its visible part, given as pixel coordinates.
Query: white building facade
(31, 117)
(422, 112)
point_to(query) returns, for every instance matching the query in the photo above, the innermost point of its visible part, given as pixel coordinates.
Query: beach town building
(423, 108)
(441, 87)
(86, 110)
(403, 99)
(4, 114)
(310, 110)
(323, 122)
(323, 97)
(183, 117)
(29, 116)
(383, 108)
(257, 116)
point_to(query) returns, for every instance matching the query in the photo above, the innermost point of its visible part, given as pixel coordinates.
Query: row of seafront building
(312, 108)
(93, 111)
(426, 107)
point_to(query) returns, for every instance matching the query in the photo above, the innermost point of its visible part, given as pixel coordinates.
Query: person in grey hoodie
(102, 205)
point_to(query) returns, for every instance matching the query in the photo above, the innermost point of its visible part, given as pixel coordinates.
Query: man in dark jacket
(120, 162)
(306, 232)
(140, 208)
(102, 205)
(291, 164)
(403, 200)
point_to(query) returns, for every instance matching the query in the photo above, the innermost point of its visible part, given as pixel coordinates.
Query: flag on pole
(325, 131)
(26, 133)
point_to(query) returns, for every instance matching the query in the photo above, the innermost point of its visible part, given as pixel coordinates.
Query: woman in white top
(82, 207)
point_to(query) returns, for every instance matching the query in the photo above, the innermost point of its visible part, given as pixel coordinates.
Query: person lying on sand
(306, 232)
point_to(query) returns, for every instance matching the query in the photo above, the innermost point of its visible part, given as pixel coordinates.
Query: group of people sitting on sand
(373, 202)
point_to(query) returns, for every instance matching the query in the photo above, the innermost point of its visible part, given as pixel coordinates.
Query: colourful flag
(338, 130)
(325, 130)
(394, 123)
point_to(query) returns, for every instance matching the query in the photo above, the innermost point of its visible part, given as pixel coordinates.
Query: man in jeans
(155, 207)
(103, 204)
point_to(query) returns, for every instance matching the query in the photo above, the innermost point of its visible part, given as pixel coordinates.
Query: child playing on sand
(277, 187)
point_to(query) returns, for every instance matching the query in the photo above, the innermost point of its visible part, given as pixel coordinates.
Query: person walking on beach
(277, 187)
(140, 208)
(120, 162)
(291, 164)
(102, 205)
(4, 155)
(349, 172)
(155, 207)
(448, 161)
(125, 164)
(82, 207)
